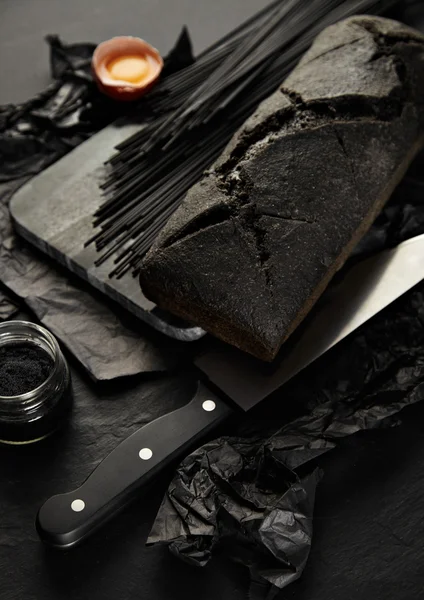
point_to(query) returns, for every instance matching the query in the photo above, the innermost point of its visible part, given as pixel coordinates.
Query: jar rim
(43, 333)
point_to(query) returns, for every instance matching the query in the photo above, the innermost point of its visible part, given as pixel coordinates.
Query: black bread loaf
(258, 239)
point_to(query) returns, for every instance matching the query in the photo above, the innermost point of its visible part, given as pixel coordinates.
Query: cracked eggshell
(109, 51)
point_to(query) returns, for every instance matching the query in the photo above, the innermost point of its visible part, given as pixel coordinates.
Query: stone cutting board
(54, 210)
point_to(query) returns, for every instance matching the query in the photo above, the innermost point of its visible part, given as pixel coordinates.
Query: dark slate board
(53, 211)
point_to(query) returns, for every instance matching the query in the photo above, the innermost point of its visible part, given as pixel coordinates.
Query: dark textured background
(369, 529)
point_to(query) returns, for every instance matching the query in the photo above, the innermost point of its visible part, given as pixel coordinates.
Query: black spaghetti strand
(191, 116)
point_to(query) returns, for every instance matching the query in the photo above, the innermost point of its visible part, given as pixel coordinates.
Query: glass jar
(32, 416)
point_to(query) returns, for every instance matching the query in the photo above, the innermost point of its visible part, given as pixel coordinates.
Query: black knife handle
(67, 519)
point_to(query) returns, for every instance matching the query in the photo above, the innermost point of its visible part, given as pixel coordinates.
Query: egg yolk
(128, 68)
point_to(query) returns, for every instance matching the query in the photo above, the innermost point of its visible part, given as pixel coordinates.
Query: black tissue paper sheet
(252, 498)
(33, 135)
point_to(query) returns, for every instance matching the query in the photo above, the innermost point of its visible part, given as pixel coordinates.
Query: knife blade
(365, 289)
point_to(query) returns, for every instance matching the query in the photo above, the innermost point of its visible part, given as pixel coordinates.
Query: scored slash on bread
(255, 243)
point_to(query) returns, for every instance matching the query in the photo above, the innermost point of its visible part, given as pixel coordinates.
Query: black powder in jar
(35, 383)
(23, 368)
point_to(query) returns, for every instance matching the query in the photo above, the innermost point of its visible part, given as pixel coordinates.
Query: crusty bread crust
(257, 241)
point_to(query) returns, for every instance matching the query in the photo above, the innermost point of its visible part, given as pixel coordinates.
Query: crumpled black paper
(33, 135)
(252, 498)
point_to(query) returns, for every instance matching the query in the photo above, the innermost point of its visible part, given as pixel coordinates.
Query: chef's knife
(368, 287)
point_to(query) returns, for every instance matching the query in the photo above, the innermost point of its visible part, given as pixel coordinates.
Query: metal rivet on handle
(208, 405)
(145, 454)
(78, 505)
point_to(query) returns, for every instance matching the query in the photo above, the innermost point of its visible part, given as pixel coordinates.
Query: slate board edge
(185, 333)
